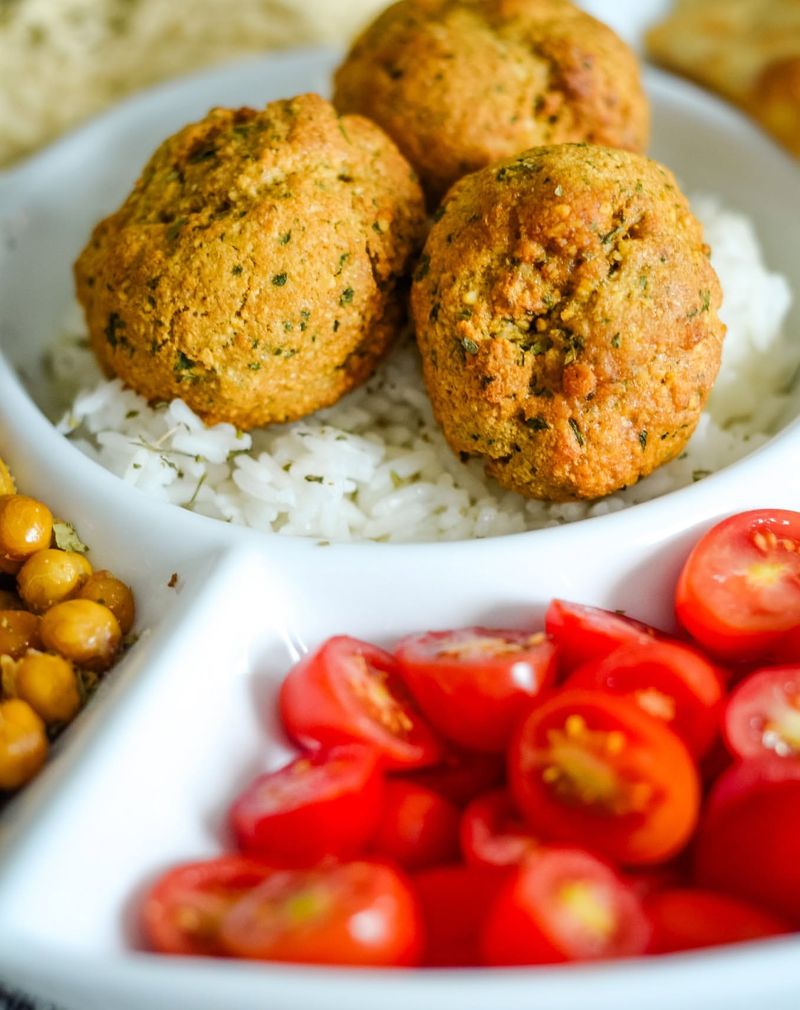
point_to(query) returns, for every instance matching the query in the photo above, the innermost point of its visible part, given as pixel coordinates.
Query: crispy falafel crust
(254, 271)
(459, 84)
(566, 312)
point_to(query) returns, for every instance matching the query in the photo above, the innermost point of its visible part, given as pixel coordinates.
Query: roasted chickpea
(7, 485)
(19, 631)
(26, 526)
(83, 631)
(23, 743)
(105, 588)
(50, 576)
(49, 686)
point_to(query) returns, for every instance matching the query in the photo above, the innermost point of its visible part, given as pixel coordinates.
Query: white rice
(376, 466)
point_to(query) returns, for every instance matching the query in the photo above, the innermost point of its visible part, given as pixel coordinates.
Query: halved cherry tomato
(786, 649)
(748, 840)
(584, 633)
(654, 879)
(351, 692)
(473, 684)
(493, 832)
(739, 591)
(594, 769)
(417, 826)
(561, 905)
(325, 803)
(763, 714)
(183, 911)
(461, 775)
(717, 761)
(692, 919)
(455, 901)
(670, 681)
(348, 913)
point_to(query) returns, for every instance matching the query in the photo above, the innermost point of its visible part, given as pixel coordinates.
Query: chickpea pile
(62, 625)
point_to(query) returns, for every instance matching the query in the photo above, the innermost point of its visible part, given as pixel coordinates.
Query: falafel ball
(460, 84)
(254, 269)
(566, 312)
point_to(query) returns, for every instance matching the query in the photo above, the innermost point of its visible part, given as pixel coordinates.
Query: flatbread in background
(64, 60)
(748, 50)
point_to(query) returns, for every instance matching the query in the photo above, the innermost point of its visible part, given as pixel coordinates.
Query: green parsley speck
(576, 431)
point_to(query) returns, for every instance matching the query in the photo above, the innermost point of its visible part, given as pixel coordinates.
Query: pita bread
(748, 50)
(64, 60)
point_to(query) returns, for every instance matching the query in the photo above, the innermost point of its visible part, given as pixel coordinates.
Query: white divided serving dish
(141, 779)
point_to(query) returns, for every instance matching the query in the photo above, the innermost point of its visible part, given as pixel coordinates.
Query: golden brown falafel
(254, 269)
(459, 84)
(566, 312)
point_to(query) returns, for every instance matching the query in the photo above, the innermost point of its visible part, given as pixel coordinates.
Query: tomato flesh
(763, 714)
(325, 803)
(592, 769)
(351, 692)
(693, 919)
(417, 827)
(739, 591)
(473, 684)
(184, 910)
(564, 905)
(584, 634)
(668, 680)
(747, 842)
(356, 913)
(493, 832)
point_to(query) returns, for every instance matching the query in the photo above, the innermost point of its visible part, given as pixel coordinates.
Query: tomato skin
(560, 905)
(655, 879)
(737, 593)
(455, 901)
(787, 648)
(473, 684)
(325, 803)
(493, 832)
(351, 692)
(715, 763)
(762, 715)
(669, 680)
(462, 775)
(747, 842)
(417, 827)
(584, 634)
(183, 911)
(313, 916)
(643, 786)
(694, 919)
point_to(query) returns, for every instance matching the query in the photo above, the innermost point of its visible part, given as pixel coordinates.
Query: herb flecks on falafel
(567, 320)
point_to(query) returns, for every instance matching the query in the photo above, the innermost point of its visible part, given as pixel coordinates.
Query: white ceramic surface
(141, 778)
